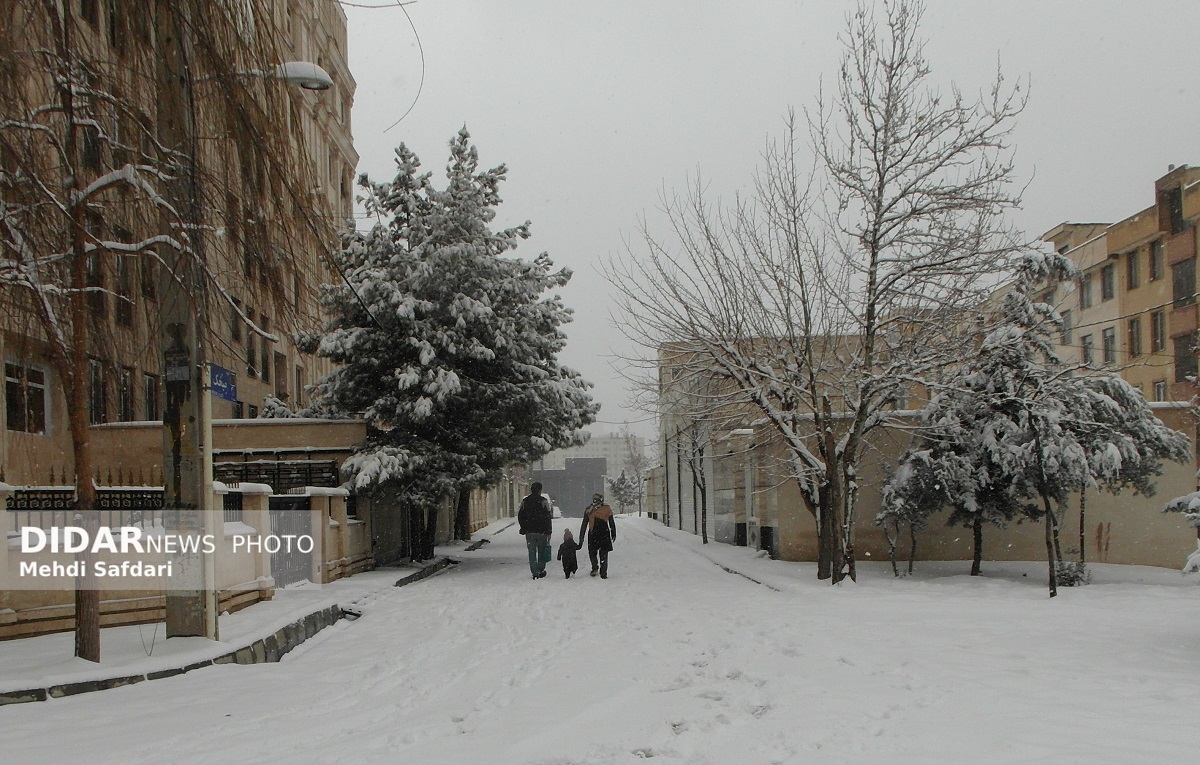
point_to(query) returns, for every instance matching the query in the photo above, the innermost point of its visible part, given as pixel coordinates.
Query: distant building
(572, 486)
(614, 448)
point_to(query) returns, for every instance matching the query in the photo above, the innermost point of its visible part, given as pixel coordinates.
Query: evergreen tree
(624, 490)
(444, 342)
(1015, 431)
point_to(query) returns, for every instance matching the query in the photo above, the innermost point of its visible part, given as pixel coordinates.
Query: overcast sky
(597, 107)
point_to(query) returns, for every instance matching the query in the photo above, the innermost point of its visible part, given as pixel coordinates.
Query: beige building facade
(1132, 311)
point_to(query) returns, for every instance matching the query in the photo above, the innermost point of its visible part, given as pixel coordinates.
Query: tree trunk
(704, 512)
(824, 535)
(462, 516)
(977, 535)
(1051, 521)
(1083, 525)
(912, 550)
(695, 498)
(1053, 580)
(666, 480)
(893, 541)
(679, 478)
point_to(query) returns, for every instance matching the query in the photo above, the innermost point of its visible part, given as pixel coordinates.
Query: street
(677, 660)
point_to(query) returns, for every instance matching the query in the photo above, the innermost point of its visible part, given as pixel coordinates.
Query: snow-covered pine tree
(445, 342)
(624, 490)
(1015, 431)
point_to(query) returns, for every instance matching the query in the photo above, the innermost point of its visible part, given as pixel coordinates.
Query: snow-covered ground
(676, 659)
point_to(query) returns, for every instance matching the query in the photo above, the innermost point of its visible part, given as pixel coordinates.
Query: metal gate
(290, 516)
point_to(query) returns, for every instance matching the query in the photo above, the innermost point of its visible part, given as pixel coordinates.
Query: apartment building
(1133, 307)
(273, 166)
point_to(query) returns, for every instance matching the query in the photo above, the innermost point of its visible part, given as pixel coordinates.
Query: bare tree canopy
(849, 276)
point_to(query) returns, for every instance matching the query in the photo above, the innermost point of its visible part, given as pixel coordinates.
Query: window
(1160, 390)
(265, 366)
(149, 275)
(25, 398)
(235, 320)
(116, 28)
(1085, 349)
(1156, 260)
(251, 412)
(1135, 337)
(89, 11)
(97, 400)
(281, 376)
(1085, 291)
(150, 397)
(1183, 282)
(1133, 274)
(299, 386)
(95, 281)
(90, 150)
(1185, 357)
(1173, 202)
(1066, 327)
(1158, 331)
(1108, 282)
(124, 301)
(239, 410)
(251, 351)
(125, 394)
(1109, 339)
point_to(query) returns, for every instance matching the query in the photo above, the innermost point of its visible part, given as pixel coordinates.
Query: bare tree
(637, 464)
(94, 200)
(826, 296)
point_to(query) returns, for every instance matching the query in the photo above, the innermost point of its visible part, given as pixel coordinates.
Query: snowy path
(674, 659)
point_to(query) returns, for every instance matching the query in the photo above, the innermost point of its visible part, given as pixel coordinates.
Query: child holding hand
(566, 553)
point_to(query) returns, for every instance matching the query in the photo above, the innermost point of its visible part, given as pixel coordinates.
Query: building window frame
(1185, 356)
(151, 401)
(1183, 282)
(1158, 331)
(1134, 340)
(26, 397)
(1157, 260)
(1086, 350)
(1133, 272)
(1108, 344)
(1108, 282)
(1085, 291)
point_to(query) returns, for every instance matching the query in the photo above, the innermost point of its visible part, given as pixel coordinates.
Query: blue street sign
(222, 382)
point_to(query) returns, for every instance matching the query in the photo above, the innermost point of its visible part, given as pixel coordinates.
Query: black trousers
(602, 554)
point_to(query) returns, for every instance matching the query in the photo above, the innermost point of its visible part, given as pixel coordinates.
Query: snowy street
(677, 660)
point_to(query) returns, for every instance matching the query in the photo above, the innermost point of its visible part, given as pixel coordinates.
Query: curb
(268, 649)
(426, 571)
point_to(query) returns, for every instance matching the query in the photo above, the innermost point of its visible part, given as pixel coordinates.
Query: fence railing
(47, 507)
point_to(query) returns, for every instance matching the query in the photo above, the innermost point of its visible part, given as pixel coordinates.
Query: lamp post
(191, 599)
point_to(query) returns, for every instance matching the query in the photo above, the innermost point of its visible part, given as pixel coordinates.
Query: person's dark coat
(566, 553)
(535, 517)
(599, 527)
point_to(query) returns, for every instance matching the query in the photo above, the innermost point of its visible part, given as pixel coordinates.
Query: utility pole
(187, 462)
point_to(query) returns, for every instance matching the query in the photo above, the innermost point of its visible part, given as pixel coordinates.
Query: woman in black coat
(600, 529)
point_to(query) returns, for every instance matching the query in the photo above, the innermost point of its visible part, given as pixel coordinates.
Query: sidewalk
(38, 668)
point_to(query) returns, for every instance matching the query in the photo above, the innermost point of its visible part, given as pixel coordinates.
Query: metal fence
(44, 508)
(281, 475)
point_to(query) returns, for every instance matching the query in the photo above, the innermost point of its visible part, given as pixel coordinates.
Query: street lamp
(304, 74)
(191, 608)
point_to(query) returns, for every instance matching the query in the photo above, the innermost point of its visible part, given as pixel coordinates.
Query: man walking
(535, 522)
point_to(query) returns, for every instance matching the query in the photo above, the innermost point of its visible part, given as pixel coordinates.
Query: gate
(290, 515)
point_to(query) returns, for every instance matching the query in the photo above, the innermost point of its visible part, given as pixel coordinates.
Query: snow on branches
(444, 341)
